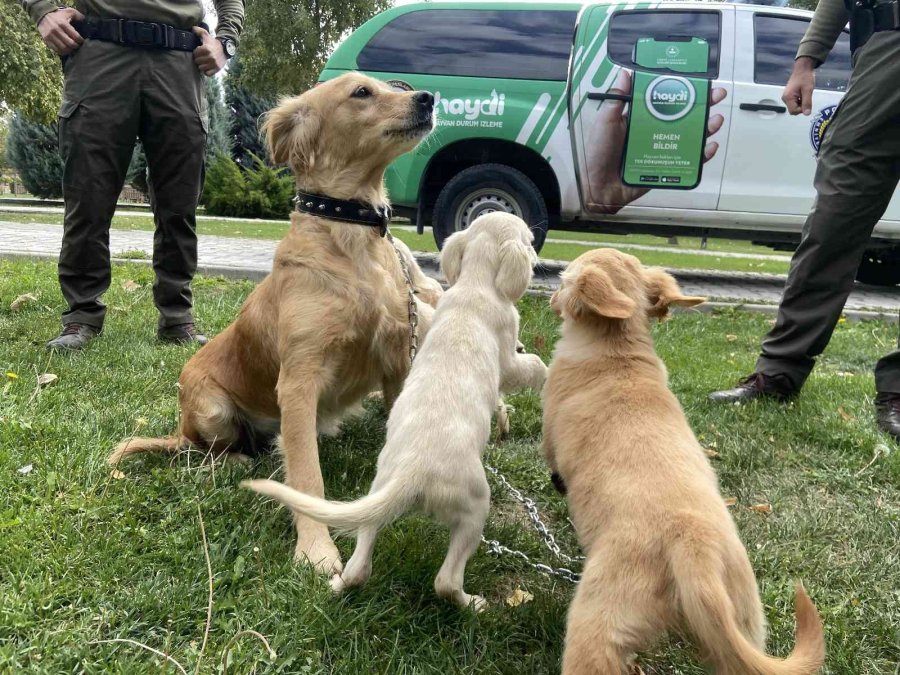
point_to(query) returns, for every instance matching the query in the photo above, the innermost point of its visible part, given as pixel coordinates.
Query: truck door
(771, 154)
(603, 64)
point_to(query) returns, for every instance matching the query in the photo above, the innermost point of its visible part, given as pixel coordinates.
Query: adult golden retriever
(330, 324)
(662, 550)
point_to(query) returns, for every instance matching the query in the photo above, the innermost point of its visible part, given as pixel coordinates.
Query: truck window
(777, 39)
(508, 44)
(627, 27)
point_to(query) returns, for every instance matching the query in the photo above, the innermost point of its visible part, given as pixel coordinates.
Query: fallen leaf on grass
(761, 508)
(730, 501)
(118, 475)
(130, 286)
(47, 379)
(21, 301)
(519, 597)
(731, 338)
(712, 454)
(12, 376)
(845, 415)
(540, 342)
(27, 469)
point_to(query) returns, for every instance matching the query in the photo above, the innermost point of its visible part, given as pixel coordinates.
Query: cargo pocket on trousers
(66, 110)
(204, 121)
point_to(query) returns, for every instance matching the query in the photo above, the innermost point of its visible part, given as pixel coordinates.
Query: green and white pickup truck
(526, 122)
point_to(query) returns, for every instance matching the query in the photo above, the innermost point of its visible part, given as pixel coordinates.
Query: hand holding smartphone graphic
(607, 145)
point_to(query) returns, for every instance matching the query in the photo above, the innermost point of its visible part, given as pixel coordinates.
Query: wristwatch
(229, 46)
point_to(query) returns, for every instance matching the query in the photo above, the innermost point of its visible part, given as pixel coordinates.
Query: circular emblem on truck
(670, 98)
(672, 51)
(819, 125)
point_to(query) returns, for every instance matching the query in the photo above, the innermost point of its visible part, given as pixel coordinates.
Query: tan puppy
(330, 324)
(662, 550)
(442, 420)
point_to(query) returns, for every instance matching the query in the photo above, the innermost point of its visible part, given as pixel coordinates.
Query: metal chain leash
(541, 528)
(411, 308)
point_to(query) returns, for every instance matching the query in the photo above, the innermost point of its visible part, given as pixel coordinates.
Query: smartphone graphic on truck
(669, 113)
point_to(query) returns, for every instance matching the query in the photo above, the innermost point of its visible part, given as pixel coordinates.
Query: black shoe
(183, 333)
(73, 336)
(755, 386)
(887, 413)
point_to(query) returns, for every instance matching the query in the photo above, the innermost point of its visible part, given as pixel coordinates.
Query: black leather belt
(137, 33)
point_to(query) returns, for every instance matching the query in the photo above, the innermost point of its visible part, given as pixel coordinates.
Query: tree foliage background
(30, 74)
(286, 42)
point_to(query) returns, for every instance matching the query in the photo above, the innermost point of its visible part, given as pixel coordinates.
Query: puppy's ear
(663, 292)
(291, 130)
(452, 256)
(594, 292)
(515, 263)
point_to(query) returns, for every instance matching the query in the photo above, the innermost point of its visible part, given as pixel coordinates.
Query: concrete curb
(430, 264)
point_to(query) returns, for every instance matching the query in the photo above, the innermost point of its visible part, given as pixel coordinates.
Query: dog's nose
(424, 100)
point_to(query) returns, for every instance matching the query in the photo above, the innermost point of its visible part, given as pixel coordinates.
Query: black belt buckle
(147, 34)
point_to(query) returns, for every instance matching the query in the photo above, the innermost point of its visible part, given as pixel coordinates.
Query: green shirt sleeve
(231, 18)
(38, 9)
(829, 20)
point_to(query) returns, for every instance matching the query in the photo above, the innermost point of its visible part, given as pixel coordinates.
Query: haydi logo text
(471, 109)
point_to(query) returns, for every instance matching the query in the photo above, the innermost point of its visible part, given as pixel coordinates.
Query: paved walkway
(13, 208)
(252, 258)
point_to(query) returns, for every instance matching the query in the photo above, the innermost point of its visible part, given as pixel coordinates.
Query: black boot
(73, 336)
(887, 413)
(755, 386)
(183, 333)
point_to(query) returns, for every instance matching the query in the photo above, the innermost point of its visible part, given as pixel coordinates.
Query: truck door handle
(761, 107)
(607, 96)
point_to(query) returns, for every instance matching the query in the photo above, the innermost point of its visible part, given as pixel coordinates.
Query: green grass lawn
(425, 242)
(86, 556)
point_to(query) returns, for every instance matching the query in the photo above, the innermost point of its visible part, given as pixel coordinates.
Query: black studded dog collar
(345, 210)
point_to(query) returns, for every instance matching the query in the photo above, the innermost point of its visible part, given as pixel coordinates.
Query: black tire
(484, 188)
(880, 268)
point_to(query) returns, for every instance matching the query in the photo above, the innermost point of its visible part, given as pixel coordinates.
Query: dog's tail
(133, 446)
(698, 573)
(375, 509)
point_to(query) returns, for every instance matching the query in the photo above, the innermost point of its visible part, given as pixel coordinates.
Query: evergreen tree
(33, 150)
(244, 109)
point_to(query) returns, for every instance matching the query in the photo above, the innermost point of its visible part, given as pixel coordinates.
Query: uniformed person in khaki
(857, 173)
(133, 69)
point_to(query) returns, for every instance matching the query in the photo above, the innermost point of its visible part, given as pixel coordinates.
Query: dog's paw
(477, 603)
(322, 554)
(502, 421)
(337, 584)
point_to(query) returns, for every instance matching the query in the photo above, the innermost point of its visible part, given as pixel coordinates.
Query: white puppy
(441, 420)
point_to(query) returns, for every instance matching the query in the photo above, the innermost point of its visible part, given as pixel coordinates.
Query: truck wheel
(880, 268)
(486, 188)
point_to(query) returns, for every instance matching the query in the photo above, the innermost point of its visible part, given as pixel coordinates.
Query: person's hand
(604, 158)
(210, 55)
(798, 91)
(58, 33)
